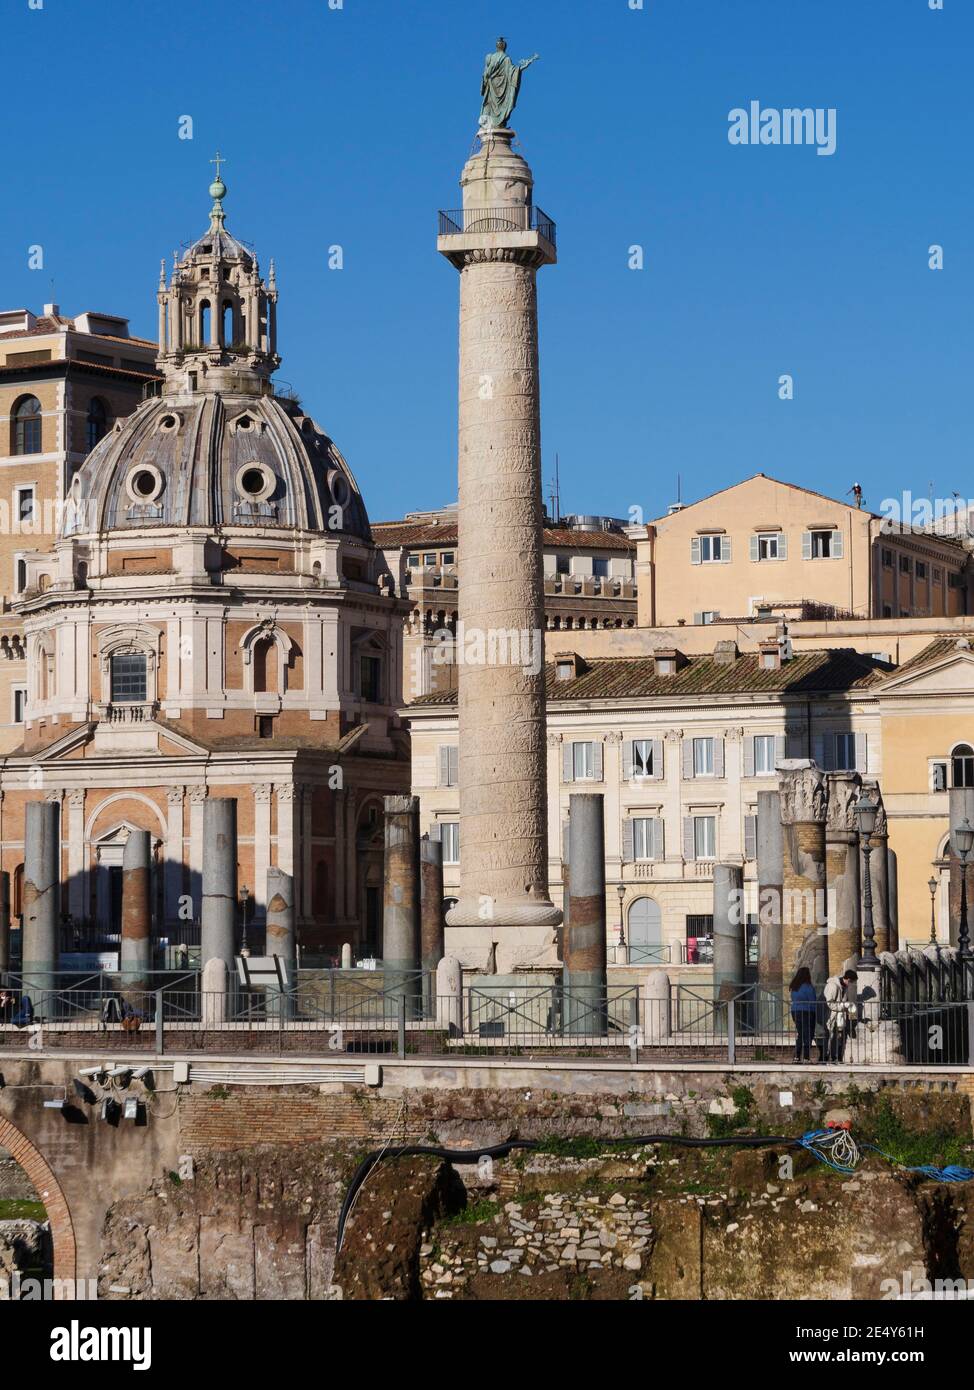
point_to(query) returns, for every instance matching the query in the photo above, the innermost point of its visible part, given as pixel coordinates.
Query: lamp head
(866, 813)
(963, 838)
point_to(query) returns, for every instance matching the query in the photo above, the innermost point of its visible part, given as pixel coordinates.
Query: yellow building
(764, 545)
(64, 382)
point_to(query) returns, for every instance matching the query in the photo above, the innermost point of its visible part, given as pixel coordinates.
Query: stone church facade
(213, 618)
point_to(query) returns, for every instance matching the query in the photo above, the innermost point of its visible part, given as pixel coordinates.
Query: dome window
(255, 482)
(339, 488)
(169, 422)
(144, 484)
(244, 423)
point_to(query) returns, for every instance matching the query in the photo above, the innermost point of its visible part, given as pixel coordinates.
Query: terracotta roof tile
(628, 678)
(403, 533)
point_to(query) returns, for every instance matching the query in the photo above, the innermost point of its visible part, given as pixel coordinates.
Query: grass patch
(724, 1126)
(580, 1147)
(473, 1214)
(884, 1128)
(21, 1209)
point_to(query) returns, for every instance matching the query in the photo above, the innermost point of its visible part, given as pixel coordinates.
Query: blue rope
(952, 1173)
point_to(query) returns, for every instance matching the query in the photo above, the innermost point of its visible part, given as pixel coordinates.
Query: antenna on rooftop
(555, 495)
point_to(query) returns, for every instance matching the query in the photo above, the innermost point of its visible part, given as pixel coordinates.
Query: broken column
(217, 938)
(583, 938)
(769, 866)
(894, 899)
(879, 868)
(42, 898)
(844, 894)
(730, 929)
(135, 955)
(430, 914)
(804, 924)
(4, 922)
(280, 938)
(400, 901)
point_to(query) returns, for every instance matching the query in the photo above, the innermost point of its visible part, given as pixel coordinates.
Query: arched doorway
(645, 932)
(49, 1191)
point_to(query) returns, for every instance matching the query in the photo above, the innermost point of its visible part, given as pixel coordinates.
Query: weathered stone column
(135, 955)
(730, 929)
(844, 894)
(400, 899)
(583, 940)
(879, 869)
(504, 898)
(280, 938)
(431, 933)
(893, 882)
(770, 851)
(217, 940)
(960, 807)
(42, 894)
(4, 921)
(804, 925)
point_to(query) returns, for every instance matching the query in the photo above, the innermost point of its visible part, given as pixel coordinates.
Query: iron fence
(398, 1015)
(526, 217)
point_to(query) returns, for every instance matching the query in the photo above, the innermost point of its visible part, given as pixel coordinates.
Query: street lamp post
(963, 838)
(932, 885)
(244, 896)
(866, 812)
(621, 890)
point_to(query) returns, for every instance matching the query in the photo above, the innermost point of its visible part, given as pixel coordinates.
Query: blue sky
(350, 126)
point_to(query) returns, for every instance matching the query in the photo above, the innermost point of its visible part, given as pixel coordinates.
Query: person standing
(803, 1003)
(840, 1008)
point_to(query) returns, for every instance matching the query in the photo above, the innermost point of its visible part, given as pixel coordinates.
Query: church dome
(219, 446)
(216, 460)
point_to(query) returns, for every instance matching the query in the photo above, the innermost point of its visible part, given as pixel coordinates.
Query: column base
(485, 912)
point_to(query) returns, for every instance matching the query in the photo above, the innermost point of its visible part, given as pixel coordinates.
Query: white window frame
(767, 546)
(450, 840)
(645, 771)
(713, 542)
(843, 764)
(643, 839)
(698, 823)
(587, 773)
(701, 743)
(31, 527)
(763, 740)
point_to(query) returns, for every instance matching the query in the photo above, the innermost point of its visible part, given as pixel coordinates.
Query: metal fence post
(634, 1029)
(401, 1024)
(160, 1041)
(731, 1029)
(970, 1031)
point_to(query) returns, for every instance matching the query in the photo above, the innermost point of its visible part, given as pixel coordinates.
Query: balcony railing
(123, 712)
(518, 218)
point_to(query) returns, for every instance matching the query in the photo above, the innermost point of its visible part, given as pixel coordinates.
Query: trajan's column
(497, 241)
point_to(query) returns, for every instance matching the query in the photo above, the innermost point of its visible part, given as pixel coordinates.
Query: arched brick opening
(49, 1190)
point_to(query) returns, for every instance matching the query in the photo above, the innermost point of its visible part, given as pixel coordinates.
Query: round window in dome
(144, 483)
(169, 422)
(340, 490)
(255, 482)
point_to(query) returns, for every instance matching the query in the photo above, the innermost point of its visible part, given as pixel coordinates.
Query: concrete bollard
(217, 939)
(4, 923)
(431, 925)
(770, 852)
(583, 939)
(280, 939)
(400, 901)
(449, 995)
(730, 929)
(42, 900)
(804, 919)
(844, 895)
(347, 956)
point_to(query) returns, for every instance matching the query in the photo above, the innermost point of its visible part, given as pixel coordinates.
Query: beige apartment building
(767, 546)
(680, 747)
(589, 584)
(64, 383)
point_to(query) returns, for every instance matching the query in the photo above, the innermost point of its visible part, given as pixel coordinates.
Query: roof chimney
(568, 666)
(51, 311)
(667, 661)
(725, 652)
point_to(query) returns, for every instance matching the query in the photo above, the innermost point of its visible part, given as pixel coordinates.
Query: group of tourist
(829, 1019)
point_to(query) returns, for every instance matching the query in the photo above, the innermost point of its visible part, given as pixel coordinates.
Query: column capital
(174, 795)
(844, 789)
(804, 793)
(76, 798)
(197, 795)
(262, 791)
